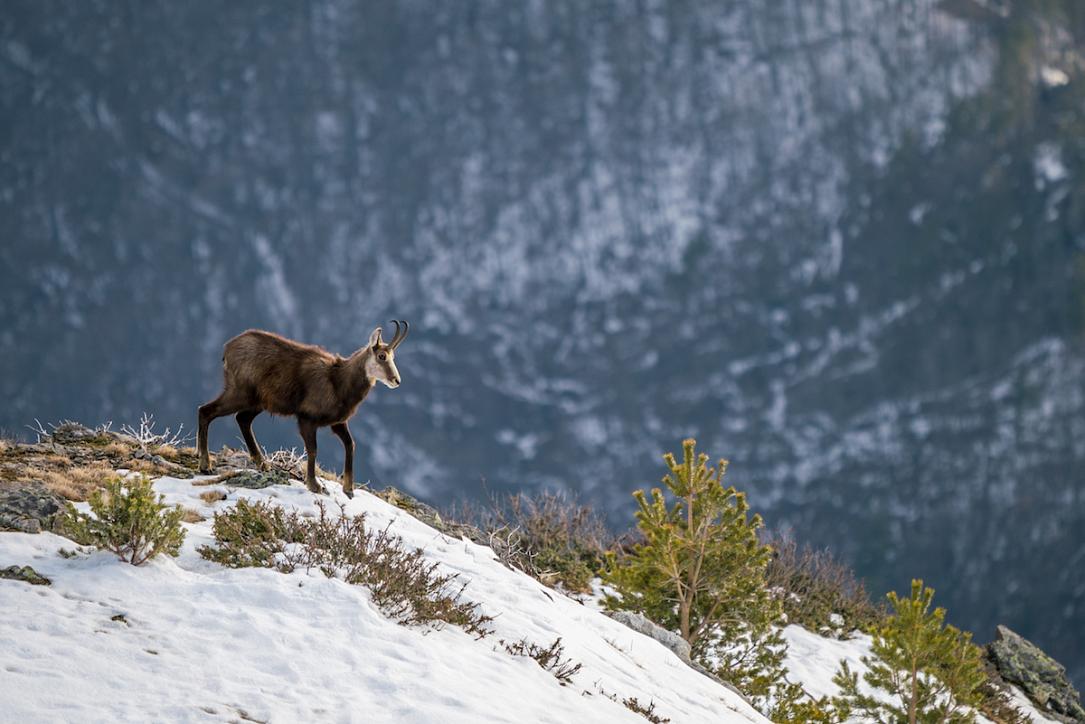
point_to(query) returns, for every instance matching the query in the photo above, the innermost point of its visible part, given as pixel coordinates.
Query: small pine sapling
(700, 571)
(129, 520)
(931, 670)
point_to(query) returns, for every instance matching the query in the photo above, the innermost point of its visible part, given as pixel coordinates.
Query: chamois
(263, 372)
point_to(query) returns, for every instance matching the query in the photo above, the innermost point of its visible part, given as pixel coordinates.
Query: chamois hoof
(315, 487)
(349, 492)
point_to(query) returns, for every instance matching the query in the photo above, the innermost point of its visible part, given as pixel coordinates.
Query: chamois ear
(375, 338)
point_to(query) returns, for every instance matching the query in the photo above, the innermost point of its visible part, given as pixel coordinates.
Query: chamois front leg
(343, 432)
(218, 407)
(307, 428)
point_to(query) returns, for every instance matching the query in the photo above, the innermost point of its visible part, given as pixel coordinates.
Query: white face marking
(378, 369)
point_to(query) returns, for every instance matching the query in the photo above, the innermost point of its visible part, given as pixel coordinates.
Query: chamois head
(381, 363)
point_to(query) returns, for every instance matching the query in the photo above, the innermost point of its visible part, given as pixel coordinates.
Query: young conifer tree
(700, 571)
(932, 671)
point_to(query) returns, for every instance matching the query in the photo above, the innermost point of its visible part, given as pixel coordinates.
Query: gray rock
(1042, 678)
(24, 573)
(640, 624)
(28, 507)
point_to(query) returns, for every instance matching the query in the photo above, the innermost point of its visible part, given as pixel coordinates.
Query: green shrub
(252, 535)
(403, 584)
(931, 671)
(700, 571)
(815, 589)
(550, 537)
(128, 520)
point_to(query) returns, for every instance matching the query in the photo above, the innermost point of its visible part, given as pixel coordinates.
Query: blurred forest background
(838, 241)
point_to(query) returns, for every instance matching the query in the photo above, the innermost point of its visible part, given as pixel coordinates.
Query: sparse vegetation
(128, 519)
(549, 658)
(406, 586)
(549, 536)
(931, 671)
(648, 712)
(818, 592)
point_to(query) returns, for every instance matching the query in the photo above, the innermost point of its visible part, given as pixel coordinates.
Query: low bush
(818, 592)
(403, 584)
(552, 538)
(129, 520)
(253, 535)
(549, 658)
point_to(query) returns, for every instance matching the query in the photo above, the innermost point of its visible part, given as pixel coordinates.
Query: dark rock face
(24, 573)
(28, 508)
(1042, 678)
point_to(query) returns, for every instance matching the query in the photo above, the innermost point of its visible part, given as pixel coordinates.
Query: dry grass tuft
(192, 516)
(327, 474)
(169, 452)
(213, 496)
(117, 450)
(76, 483)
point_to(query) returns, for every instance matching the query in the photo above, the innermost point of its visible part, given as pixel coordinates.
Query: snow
(199, 642)
(1053, 77)
(193, 641)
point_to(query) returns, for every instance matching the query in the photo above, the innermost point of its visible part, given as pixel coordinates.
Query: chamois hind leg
(343, 433)
(307, 428)
(244, 421)
(218, 407)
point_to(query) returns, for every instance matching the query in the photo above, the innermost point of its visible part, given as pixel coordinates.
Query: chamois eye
(383, 356)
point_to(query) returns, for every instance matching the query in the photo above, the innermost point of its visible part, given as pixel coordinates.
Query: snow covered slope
(187, 640)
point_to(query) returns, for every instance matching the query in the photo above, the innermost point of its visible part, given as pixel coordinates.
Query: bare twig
(146, 437)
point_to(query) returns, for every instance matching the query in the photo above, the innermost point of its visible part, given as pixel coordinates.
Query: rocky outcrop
(1021, 663)
(29, 508)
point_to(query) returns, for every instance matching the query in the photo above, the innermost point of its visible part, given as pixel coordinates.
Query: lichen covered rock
(26, 574)
(1041, 677)
(254, 479)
